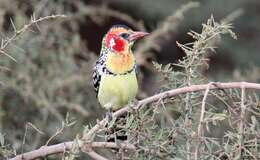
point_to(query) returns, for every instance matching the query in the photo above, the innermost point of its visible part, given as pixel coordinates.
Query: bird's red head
(120, 38)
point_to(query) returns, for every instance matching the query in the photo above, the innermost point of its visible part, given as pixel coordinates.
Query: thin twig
(58, 132)
(59, 148)
(251, 154)
(242, 121)
(24, 137)
(17, 33)
(202, 112)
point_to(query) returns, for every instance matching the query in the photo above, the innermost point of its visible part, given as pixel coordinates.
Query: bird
(114, 72)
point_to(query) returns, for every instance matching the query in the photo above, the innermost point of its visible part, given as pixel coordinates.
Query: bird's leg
(133, 103)
(109, 115)
(110, 122)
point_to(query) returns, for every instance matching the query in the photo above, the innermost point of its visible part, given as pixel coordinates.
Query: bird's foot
(109, 115)
(133, 103)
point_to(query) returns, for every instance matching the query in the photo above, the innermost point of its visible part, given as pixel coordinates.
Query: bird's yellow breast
(120, 63)
(115, 91)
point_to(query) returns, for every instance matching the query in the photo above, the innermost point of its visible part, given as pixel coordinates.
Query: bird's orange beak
(137, 35)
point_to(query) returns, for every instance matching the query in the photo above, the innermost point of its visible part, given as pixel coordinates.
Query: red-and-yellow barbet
(114, 75)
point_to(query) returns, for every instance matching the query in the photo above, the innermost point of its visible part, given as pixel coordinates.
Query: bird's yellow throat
(120, 63)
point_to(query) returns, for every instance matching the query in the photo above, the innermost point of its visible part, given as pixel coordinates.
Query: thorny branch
(59, 148)
(18, 32)
(202, 112)
(242, 119)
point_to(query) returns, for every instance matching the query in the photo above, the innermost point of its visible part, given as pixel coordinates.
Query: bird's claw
(134, 103)
(109, 115)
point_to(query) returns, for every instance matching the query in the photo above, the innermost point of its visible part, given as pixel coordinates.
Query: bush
(47, 97)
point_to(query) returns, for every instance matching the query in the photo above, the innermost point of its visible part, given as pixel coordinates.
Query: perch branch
(59, 148)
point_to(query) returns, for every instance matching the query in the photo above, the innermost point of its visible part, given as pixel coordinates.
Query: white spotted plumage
(114, 73)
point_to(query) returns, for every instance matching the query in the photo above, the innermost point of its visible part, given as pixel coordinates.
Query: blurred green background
(52, 75)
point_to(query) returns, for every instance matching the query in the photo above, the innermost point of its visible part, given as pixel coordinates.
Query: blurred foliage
(52, 75)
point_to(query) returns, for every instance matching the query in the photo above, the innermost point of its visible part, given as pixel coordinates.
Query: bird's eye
(124, 35)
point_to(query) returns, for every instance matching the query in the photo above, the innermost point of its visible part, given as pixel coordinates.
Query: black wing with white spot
(97, 72)
(96, 80)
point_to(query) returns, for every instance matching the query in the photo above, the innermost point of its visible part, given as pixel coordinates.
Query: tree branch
(59, 148)
(8, 40)
(62, 147)
(44, 151)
